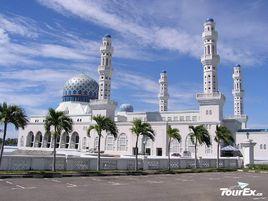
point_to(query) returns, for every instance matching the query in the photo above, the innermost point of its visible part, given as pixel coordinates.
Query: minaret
(211, 101)
(163, 92)
(105, 68)
(210, 58)
(238, 94)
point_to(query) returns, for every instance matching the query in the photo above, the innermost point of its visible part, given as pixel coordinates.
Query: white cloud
(18, 25)
(139, 22)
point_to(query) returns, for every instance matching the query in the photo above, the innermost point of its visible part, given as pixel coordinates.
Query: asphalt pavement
(184, 187)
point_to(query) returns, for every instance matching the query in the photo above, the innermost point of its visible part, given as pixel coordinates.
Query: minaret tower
(105, 68)
(211, 101)
(238, 94)
(210, 58)
(163, 92)
(104, 105)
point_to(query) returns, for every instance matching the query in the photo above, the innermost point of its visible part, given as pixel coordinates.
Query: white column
(238, 93)
(248, 152)
(105, 68)
(163, 92)
(210, 58)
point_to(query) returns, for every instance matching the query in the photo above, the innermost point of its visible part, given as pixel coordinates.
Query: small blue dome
(164, 71)
(80, 88)
(126, 108)
(237, 65)
(209, 19)
(108, 36)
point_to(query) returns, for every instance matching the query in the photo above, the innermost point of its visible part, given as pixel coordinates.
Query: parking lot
(191, 186)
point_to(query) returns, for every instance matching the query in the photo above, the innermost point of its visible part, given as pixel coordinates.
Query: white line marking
(154, 182)
(95, 179)
(22, 187)
(71, 185)
(214, 178)
(55, 180)
(114, 183)
(9, 182)
(260, 198)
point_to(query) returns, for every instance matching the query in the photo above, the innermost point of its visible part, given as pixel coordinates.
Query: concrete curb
(94, 174)
(253, 171)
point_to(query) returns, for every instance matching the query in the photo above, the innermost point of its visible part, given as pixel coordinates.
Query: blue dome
(164, 71)
(237, 65)
(126, 108)
(209, 19)
(108, 36)
(80, 88)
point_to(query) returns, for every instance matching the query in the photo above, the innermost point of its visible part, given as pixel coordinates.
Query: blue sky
(45, 42)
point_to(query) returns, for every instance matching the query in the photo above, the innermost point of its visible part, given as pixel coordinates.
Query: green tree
(11, 114)
(144, 129)
(199, 136)
(55, 123)
(223, 135)
(102, 124)
(172, 134)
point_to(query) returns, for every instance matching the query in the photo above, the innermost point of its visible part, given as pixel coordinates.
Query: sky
(43, 43)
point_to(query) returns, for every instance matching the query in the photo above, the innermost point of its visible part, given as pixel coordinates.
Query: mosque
(83, 98)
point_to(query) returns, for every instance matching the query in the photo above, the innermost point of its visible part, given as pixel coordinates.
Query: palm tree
(12, 114)
(223, 135)
(55, 123)
(144, 129)
(173, 134)
(102, 124)
(199, 136)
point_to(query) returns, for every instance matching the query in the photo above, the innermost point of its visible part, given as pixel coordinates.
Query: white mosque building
(83, 98)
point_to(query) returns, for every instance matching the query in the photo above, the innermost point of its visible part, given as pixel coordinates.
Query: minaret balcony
(210, 59)
(238, 93)
(210, 35)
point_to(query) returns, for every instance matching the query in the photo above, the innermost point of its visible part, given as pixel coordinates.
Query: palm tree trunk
(169, 155)
(218, 155)
(136, 154)
(195, 153)
(3, 142)
(54, 153)
(98, 162)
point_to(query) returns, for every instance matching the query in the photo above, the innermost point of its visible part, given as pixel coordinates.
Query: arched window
(109, 142)
(57, 142)
(84, 143)
(260, 146)
(64, 143)
(22, 141)
(208, 49)
(47, 141)
(74, 141)
(38, 139)
(175, 146)
(96, 141)
(30, 139)
(190, 145)
(122, 142)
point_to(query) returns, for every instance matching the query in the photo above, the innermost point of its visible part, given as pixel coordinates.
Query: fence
(75, 163)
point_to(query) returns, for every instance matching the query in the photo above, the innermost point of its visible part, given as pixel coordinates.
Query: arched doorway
(109, 142)
(30, 139)
(65, 139)
(47, 140)
(57, 142)
(122, 142)
(175, 146)
(74, 144)
(38, 139)
(22, 141)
